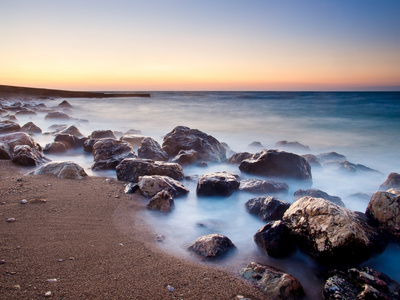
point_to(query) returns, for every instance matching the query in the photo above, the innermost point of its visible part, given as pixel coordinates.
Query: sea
(362, 126)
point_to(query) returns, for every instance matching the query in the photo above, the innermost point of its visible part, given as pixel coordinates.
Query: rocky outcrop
(108, 153)
(212, 245)
(184, 138)
(258, 186)
(276, 163)
(67, 169)
(151, 149)
(9, 126)
(267, 208)
(392, 181)
(384, 211)
(330, 156)
(186, 157)
(102, 134)
(217, 184)
(360, 283)
(134, 139)
(317, 194)
(295, 146)
(30, 127)
(25, 155)
(274, 238)
(131, 169)
(333, 235)
(237, 158)
(151, 185)
(162, 201)
(275, 283)
(57, 115)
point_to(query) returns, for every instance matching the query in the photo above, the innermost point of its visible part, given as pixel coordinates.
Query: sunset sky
(201, 45)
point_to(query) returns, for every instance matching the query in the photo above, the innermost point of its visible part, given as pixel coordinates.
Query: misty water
(363, 126)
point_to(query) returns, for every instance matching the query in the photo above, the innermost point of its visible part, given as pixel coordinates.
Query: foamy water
(362, 126)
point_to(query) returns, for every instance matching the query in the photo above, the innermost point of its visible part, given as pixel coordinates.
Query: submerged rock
(30, 127)
(102, 134)
(267, 208)
(108, 153)
(162, 201)
(258, 186)
(392, 181)
(237, 158)
(292, 146)
(72, 130)
(212, 245)
(57, 115)
(151, 185)
(348, 167)
(67, 169)
(65, 104)
(151, 149)
(55, 147)
(312, 160)
(186, 157)
(317, 194)
(217, 184)
(330, 156)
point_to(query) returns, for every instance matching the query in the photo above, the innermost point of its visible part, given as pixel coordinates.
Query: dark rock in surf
(237, 158)
(131, 169)
(330, 156)
(256, 145)
(30, 127)
(212, 245)
(25, 155)
(54, 148)
(184, 138)
(258, 186)
(19, 138)
(392, 181)
(134, 139)
(394, 191)
(295, 146)
(88, 145)
(217, 184)
(150, 185)
(9, 126)
(312, 160)
(68, 140)
(162, 201)
(65, 104)
(57, 115)
(5, 151)
(274, 238)
(277, 163)
(275, 283)
(348, 167)
(25, 112)
(317, 194)
(267, 208)
(131, 188)
(151, 149)
(228, 150)
(108, 153)
(133, 131)
(72, 130)
(186, 157)
(101, 134)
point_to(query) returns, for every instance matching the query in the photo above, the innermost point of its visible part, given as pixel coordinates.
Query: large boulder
(19, 138)
(151, 149)
(25, 155)
(316, 193)
(267, 208)
(54, 148)
(9, 126)
(212, 245)
(217, 184)
(392, 181)
(312, 160)
(360, 283)
(275, 283)
(333, 235)
(276, 163)
(237, 158)
(151, 185)
(30, 127)
(162, 201)
(65, 169)
(108, 153)
(384, 210)
(258, 186)
(186, 157)
(184, 138)
(131, 169)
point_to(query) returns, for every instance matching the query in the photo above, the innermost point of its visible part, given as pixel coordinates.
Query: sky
(150, 45)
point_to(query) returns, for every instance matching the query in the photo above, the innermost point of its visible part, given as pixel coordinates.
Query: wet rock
(57, 115)
(333, 235)
(317, 194)
(88, 145)
(131, 188)
(65, 104)
(134, 139)
(9, 126)
(277, 163)
(186, 157)
(67, 169)
(151, 149)
(162, 201)
(101, 134)
(184, 138)
(25, 112)
(131, 169)
(68, 140)
(348, 167)
(217, 184)
(384, 210)
(19, 138)
(392, 181)
(133, 131)
(267, 208)
(151, 185)
(312, 160)
(108, 153)
(360, 283)
(237, 158)
(274, 238)
(292, 146)
(256, 145)
(5, 151)
(258, 186)
(212, 245)
(30, 127)
(330, 156)
(228, 150)
(275, 283)
(54, 148)
(72, 130)
(57, 128)
(394, 191)
(25, 155)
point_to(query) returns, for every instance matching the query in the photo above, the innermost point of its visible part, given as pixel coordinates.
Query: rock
(228, 150)
(72, 130)
(217, 184)
(55, 147)
(275, 283)
(237, 158)
(274, 238)
(11, 220)
(384, 210)
(65, 104)
(256, 144)
(88, 145)
(133, 131)
(5, 151)
(394, 191)
(30, 127)
(25, 112)
(101, 134)
(66, 169)
(317, 194)
(292, 146)
(131, 169)
(258, 186)
(184, 138)
(333, 235)
(162, 201)
(267, 208)
(360, 283)
(25, 155)
(108, 153)
(186, 157)
(348, 167)
(277, 163)
(392, 181)
(131, 188)
(57, 128)
(57, 115)
(151, 149)
(330, 156)
(68, 140)
(9, 126)
(134, 139)
(19, 138)
(151, 185)
(212, 245)
(312, 160)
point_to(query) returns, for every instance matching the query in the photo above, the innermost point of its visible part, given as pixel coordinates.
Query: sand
(89, 236)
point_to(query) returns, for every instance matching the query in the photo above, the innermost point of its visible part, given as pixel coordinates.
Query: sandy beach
(83, 239)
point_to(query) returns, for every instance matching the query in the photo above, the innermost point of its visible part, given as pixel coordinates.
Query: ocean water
(363, 126)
